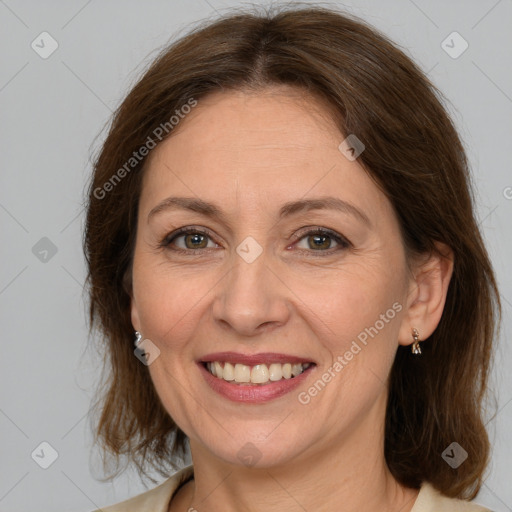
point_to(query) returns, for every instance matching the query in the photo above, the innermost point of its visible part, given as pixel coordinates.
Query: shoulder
(431, 500)
(154, 500)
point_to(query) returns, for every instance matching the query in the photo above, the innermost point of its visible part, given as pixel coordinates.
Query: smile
(258, 374)
(254, 378)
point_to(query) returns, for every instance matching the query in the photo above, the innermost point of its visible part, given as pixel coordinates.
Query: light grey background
(51, 111)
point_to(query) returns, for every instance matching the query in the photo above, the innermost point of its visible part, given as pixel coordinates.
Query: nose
(251, 298)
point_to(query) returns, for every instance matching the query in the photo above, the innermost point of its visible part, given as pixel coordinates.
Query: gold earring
(415, 348)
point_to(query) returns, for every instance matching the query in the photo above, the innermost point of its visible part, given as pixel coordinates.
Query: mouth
(256, 375)
(254, 378)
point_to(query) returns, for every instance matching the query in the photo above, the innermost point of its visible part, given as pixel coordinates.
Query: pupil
(196, 237)
(322, 239)
(319, 240)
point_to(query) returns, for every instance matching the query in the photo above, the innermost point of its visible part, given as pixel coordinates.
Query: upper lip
(253, 359)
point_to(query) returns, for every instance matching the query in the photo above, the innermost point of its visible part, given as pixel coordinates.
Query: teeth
(259, 374)
(228, 372)
(296, 369)
(218, 370)
(242, 373)
(275, 372)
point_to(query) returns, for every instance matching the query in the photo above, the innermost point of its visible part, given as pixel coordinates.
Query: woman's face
(257, 286)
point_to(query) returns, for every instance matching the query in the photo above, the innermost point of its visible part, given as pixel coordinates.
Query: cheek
(344, 302)
(169, 299)
(356, 318)
(361, 343)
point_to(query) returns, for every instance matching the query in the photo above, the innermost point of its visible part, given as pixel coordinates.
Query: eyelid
(306, 230)
(342, 241)
(186, 230)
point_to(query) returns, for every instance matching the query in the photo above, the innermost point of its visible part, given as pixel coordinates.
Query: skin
(250, 153)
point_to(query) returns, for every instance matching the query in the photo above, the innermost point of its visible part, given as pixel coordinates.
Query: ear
(427, 294)
(128, 288)
(134, 312)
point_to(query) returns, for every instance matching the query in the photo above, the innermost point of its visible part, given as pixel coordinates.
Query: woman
(281, 219)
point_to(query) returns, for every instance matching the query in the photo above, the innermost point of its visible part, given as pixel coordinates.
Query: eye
(188, 239)
(321, 240)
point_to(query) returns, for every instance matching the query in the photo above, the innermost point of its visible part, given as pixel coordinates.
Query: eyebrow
(287, 210)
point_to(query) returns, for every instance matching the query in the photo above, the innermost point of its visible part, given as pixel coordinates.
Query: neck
(350, 474)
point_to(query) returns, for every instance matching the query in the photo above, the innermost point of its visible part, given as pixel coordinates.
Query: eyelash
(342, 242)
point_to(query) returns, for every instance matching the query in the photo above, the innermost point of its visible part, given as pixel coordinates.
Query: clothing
(158, 499)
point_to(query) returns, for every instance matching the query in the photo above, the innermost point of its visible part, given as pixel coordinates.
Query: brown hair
(413, 154)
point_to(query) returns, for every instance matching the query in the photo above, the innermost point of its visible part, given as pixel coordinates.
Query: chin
(257, 451)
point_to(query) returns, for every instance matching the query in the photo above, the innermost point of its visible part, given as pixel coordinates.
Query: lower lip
(256, 393)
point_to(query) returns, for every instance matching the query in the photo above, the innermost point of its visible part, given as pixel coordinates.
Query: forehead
(256, 116)
(268, 147)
